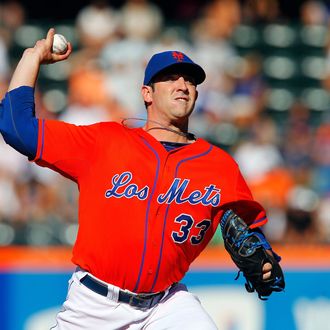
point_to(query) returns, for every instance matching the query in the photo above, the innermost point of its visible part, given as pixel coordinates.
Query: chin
(182, 111)
(180, 115)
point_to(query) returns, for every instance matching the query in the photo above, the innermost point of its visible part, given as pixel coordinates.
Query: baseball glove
(247, 249)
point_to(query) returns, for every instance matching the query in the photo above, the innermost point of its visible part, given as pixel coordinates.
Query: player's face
(173, 96)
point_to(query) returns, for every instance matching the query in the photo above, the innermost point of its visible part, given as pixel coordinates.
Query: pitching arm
(27, 70)
(18, 124)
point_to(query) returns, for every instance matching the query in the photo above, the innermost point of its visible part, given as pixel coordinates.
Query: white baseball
(60, 44)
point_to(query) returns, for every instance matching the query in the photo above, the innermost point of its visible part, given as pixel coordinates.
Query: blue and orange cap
(173, 59)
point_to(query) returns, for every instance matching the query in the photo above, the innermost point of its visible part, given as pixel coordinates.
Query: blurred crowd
(283, 154)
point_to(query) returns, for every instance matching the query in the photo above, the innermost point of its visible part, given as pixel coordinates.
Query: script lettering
(121, 187)
(176, 193)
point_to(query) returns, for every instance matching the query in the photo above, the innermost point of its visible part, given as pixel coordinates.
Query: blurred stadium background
(265, 101)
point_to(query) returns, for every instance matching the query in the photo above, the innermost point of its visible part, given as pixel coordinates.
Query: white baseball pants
(86, 309)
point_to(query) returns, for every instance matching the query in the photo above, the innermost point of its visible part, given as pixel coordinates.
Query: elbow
(21, 138)
(18, 144)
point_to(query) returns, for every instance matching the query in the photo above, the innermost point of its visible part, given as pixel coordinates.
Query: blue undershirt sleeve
(18, 124)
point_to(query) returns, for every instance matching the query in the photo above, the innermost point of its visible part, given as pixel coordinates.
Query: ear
(146, 92)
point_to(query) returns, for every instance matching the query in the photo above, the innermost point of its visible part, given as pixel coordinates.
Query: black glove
(248, 248)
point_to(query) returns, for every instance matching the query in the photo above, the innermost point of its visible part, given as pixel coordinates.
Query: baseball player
(151, 198)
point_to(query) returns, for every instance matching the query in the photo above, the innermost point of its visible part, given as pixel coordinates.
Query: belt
(135, 300)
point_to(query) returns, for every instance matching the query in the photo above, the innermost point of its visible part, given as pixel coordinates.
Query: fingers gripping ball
(247, 248)
(60, 44)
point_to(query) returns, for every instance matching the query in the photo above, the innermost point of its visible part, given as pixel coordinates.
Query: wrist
(32, 55)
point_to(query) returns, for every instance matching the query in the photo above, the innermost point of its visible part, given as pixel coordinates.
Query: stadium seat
(316, 99)
(26, 35)
(57, 72)
(7, 234)
(314, 36)
(246, 37)
(279, 99)
(55, 99)
(280, 67)
(313, 67)
(279, 36)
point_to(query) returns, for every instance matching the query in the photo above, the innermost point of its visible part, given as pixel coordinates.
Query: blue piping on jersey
(258, 220)
(42, 138)
(167, 209)
(147, 214)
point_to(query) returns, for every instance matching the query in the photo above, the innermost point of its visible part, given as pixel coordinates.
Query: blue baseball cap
(172, 59)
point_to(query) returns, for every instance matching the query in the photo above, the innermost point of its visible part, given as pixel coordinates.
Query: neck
(168, 133)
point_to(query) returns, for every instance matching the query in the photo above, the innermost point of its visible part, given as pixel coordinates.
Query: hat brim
(191, 69)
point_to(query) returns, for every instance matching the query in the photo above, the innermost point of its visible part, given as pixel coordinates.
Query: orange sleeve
(66, 148)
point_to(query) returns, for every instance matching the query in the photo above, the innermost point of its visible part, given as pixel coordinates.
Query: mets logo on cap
(178, 56)
(166, 59)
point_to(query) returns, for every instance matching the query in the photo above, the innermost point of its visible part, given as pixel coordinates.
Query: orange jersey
(144, 213)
